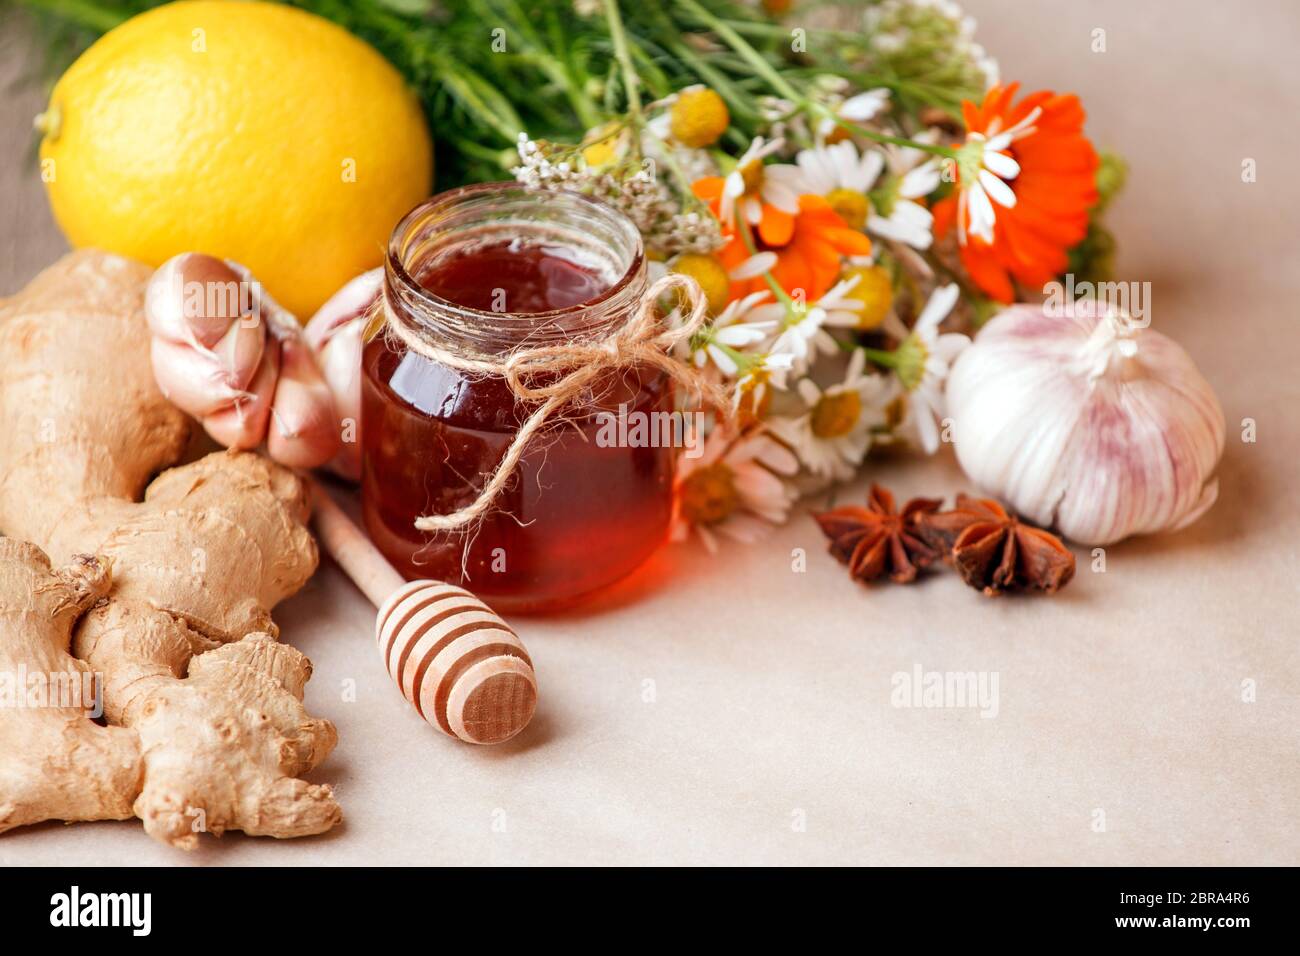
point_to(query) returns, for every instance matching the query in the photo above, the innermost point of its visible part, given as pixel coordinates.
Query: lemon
(251, 131)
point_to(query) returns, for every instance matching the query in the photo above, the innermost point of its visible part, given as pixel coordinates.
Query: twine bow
(643, 341)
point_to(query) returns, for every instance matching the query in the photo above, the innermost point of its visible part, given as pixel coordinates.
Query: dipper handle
(351, 549)
(462, 668)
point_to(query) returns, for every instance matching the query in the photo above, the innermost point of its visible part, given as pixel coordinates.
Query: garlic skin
(1081, 421)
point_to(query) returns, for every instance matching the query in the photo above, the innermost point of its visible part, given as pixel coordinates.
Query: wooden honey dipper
(458, 663)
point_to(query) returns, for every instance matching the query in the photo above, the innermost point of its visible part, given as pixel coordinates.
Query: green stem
(859, 130)
(779, 84)
(544, 60)
(742, 47)
(89, 16)
(630, 79)
(464, 91)
(879, 356)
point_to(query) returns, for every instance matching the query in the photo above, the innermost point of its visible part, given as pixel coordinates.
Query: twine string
(568, 371)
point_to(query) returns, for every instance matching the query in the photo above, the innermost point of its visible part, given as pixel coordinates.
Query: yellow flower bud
(605, 145)
(710, 274)
(699, 118)
(875, 291)
(853, 207)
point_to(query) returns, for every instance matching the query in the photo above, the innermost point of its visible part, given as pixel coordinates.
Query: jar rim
(395, 266)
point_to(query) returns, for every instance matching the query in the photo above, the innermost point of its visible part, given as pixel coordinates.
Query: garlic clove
(242, 424)
(304, 430)
(191, 380)
(239, 352)
(340, 362)
(193, 299)
(337, 334)
(349, 303)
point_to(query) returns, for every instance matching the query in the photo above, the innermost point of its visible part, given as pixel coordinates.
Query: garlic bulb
(1080, 420)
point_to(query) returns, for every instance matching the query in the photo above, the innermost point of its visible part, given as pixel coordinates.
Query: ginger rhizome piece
(56, 763)
(184, 641)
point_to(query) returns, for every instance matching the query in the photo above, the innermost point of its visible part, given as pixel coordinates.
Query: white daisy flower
(888, 207)
(842, 310)
(764, 370)
(897, 211)
(753, 183)
(834, 435)
(733, 330)
(800, 333)
(857, 109)
(828, 168)
(924, 358)
(984, 168)
(736, 488)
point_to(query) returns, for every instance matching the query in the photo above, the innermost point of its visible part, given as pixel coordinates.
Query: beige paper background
(772, 689)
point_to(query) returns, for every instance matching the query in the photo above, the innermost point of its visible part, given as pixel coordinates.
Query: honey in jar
(488, 269)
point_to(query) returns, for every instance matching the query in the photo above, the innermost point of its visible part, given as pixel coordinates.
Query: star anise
(995, 550)
(878, 539)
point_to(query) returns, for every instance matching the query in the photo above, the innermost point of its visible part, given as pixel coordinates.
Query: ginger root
(55, 762)
(184, 641)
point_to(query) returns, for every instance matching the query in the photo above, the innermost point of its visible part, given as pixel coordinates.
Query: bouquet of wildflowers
(844, 239)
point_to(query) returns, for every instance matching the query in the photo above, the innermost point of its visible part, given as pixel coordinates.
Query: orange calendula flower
(1026, 180)
(802, 250)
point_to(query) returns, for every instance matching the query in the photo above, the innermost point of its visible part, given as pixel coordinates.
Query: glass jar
(488, 268)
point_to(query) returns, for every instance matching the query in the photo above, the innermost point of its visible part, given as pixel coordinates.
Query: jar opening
(549, 266)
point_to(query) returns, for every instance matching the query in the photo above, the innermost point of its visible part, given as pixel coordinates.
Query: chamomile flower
(866, 300)
(754, 189)
(857, 109)
(715, 281)
(698, 117)
(840, 304)
(888, 206)
(802, 332)
(923, 360)
(843, 176)
(833, 436)
(898, 211)
(762, 370)
(735, 488)
(733, 331)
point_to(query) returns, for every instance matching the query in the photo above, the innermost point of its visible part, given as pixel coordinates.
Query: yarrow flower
(607, 169)
(936, 31)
